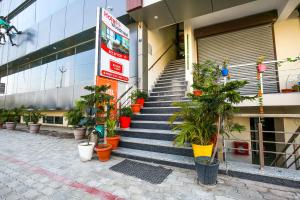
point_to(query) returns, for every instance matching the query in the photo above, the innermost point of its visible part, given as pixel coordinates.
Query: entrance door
(268, 138)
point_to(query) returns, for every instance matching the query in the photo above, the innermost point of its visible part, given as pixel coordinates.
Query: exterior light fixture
(155, 17)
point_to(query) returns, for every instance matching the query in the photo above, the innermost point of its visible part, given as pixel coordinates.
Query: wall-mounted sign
(112, 44)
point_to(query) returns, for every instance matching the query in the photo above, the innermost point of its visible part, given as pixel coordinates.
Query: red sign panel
(134, 4)
(116, 66)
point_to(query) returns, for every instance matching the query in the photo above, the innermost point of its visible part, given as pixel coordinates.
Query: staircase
(150, 137)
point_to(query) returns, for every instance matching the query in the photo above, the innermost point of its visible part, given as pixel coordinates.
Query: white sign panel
(113, 47)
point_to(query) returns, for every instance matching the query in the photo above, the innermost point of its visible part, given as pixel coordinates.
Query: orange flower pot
(103, 152)
(287, 90)
(113, 141)
(136, 108)
(197, 92)
(141, 101)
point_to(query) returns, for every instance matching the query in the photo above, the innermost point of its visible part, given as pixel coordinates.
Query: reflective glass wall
(45, 22)
(54, 81)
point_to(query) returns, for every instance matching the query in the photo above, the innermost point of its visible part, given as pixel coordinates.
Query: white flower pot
(86, 151)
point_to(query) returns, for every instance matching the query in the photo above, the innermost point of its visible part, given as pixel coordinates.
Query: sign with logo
(112, 44)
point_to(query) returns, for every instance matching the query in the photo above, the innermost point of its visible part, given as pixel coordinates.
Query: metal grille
(240, 47)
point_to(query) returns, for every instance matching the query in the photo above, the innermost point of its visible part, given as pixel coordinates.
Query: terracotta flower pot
(34, 128)
(79, 133)
(141, 101)
(287, 90)
(136, 108)
(261, 68)
(11, 125)
(125, 122)
(1, 126)
(197, 92)
(114, 141)
(103, 152)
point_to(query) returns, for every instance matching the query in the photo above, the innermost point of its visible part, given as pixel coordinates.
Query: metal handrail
(160, 57)
(124, 93)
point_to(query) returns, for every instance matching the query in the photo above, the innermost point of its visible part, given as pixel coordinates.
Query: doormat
(149, 173)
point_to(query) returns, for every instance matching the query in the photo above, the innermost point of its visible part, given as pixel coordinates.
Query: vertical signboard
(112, 44)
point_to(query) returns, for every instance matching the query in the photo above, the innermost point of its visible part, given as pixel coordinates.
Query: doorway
(268, 138)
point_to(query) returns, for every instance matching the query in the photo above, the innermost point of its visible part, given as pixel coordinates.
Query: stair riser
(171, 84)
(151, 135)
(173, 73)
(162, 162)
(155, 148)
(162, 77)
(159, 110)
(170, 80)
(151, 126)
(158, 104)
(167, 98)
(175, 88)
(179, 93)
(174, 70)
(153, 117)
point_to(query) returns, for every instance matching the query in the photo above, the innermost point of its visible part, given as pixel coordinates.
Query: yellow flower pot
(202, 150)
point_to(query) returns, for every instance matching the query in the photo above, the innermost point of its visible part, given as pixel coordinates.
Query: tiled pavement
(44, 167)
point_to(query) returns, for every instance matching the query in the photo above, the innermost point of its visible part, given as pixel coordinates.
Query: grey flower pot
(11, 125)
(34, 128)
(79, 133)
(207, 173)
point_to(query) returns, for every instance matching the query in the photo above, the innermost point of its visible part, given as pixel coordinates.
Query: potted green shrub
(139, 97)
(13, 117)
(111, 136)
(74, 117)
(3, 117)
(208, 116)
(97, 107)
(31, 118)
(125, 117)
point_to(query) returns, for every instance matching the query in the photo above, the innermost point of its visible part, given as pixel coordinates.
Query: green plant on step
(3, 116)
(126, 112)
(210, 114)
(14, 114)
(138, 94)
(111, 127)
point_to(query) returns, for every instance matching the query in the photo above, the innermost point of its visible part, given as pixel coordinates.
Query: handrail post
(261, 146)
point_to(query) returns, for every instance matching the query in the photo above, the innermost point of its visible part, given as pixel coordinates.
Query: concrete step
(167, 135)
(164, 93)
(171, 84)
(169, 88)
(172, 76)
(159, 110)
(160, 158)
(162, 125)
(153, 117)
(152, 145)
(167, 98)
(170, 80)
(160, 103)
(175, 69)
(167, 73)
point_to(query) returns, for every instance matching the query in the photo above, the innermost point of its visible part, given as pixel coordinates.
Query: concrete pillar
(142, 56)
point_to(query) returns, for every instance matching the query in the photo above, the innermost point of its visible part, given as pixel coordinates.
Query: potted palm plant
(208, 116)
(74, 117)
(125, 117)
(13, 117)
(31, 118)
(111, 136)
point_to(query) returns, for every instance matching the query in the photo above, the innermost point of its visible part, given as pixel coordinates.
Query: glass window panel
(35, 63)
(26, 18)
(74, 18)
(50, 81)
(48, 120)
(84, 67)
(44, 32)
(66, 53)
(42, 9)
(58, 22)
(59, 120)
(24, 79)
(65, 72)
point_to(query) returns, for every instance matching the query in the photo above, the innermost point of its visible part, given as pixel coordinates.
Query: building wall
(287, 41)
(158, 41)
(290, 126)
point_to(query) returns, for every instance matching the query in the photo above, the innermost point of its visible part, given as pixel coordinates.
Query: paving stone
(283, 193)
(31, 194)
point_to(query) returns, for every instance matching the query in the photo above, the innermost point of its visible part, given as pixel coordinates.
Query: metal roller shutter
(241, 47)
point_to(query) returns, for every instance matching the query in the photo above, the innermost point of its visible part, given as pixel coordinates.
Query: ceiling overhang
(167, 12)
